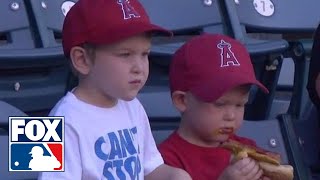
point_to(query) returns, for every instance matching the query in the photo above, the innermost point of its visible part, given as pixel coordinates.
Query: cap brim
(212, 91)
(157, 30)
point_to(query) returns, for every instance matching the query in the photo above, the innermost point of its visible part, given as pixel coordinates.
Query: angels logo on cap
(227, 56)
(128, 10)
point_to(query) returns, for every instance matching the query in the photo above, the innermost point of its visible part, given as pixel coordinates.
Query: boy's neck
(94, 96)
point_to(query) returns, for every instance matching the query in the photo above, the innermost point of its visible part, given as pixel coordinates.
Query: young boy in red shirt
(210, 79)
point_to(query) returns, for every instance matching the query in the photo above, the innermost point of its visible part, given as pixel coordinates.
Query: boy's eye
(219, 104)
(145, 54)
(126, 54)
(240, 105)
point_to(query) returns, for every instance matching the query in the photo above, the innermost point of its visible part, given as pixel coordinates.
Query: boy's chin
(222, 138)
(129, 97)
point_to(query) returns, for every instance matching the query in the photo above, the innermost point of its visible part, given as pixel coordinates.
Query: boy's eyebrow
(129, 49)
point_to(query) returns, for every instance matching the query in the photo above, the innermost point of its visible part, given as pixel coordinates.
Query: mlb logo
(36, 143)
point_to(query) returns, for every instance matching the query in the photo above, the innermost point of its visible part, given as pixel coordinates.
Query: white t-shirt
(105, 143)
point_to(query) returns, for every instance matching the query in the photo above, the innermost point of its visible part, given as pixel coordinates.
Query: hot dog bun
(268, 161)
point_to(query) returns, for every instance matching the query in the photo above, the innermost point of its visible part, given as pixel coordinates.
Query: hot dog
(268, 161)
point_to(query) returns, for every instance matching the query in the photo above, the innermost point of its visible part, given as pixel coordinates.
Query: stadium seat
(11, 32)
(159, 108)
(308, 132)
(174, 15)
(48, 17)
(293, 144)
(7, 110)
(268, 55)
(277, 17)
(34, 77)
(208, 16)
(4, 170)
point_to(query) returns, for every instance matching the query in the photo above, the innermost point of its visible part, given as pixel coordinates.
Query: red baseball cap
(210, 65)
(104, 22)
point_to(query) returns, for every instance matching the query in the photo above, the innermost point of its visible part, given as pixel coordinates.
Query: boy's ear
(80, 61)
(179, 100)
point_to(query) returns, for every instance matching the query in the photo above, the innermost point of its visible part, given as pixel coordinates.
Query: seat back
(6, 111)
(49, 17)
(308, 132)
(4, 170)
(267, 135)
(34, 78)
(16, 30)
(175, 15)
(278, 16)
(293, 144)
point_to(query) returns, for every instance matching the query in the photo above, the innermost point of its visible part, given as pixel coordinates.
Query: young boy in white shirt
(107, 133)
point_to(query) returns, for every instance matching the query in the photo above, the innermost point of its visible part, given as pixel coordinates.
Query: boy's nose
(229, 114)
(138, 65)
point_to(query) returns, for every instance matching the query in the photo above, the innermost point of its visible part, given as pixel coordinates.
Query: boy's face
(120, 70)
(212, 123)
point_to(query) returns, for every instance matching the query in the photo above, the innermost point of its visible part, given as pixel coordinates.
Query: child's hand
(244, 169)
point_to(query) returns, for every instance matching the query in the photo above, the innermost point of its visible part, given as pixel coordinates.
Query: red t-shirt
(200, 162)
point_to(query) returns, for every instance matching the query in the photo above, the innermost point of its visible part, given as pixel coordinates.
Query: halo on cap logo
(66, 6)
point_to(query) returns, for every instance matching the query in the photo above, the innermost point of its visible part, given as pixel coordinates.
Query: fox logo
(227, 56)
(36, 144)
(127, 10)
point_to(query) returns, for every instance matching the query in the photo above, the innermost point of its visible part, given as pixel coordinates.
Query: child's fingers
(257, 175)
(247, 164)
(252, 170)
(240, 164)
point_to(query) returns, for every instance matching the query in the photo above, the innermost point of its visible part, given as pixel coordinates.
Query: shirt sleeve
(72, 156)
(171, 152)
(151, 156)
(170, 157)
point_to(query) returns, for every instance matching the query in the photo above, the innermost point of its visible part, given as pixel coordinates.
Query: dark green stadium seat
(271, 50)
(185, 20)
(48, 17)
(294, 19)
(7, 110)
(16, 27)
(34, 71)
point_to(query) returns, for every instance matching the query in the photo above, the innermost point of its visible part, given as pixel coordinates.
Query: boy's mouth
(228, 130)
(135, 82)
